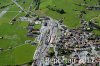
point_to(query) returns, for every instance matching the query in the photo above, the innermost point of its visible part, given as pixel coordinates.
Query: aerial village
(59, 45)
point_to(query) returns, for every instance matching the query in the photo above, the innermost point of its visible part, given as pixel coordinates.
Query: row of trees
(36, 4)
(6, 6)
(58, 10)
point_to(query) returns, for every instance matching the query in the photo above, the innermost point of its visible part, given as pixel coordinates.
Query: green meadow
(15, 37)
(17, 56)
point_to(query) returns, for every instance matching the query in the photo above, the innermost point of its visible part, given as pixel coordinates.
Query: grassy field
(19, 55)
(14, 36)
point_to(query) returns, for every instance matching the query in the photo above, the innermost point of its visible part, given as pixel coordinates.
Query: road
(94, 51)
(3, 12)
(14, 1)
(15, 16)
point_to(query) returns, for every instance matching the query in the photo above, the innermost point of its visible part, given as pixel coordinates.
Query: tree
(36, 4)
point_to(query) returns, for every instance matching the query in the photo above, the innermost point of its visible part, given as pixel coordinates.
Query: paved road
(15, 16)
(19, 6)
(94, 51)
(3, 12)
